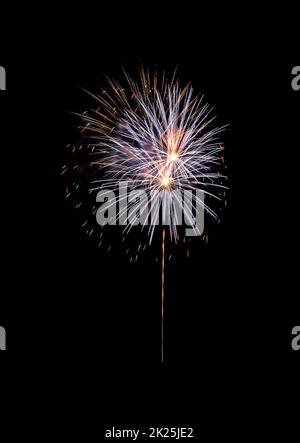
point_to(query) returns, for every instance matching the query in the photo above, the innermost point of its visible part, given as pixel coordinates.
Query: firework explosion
(154, 135)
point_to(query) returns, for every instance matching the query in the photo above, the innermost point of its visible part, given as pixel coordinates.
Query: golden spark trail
(162, 292)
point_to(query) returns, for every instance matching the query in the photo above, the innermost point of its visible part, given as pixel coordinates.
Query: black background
(92, 320)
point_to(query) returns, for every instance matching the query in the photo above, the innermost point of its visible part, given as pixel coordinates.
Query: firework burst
(155, 135)
(158, 137)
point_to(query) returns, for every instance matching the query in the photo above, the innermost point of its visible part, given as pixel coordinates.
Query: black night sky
(92, 318)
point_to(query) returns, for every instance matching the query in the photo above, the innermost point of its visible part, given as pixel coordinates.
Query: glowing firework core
(173, 157)
(166, 181)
